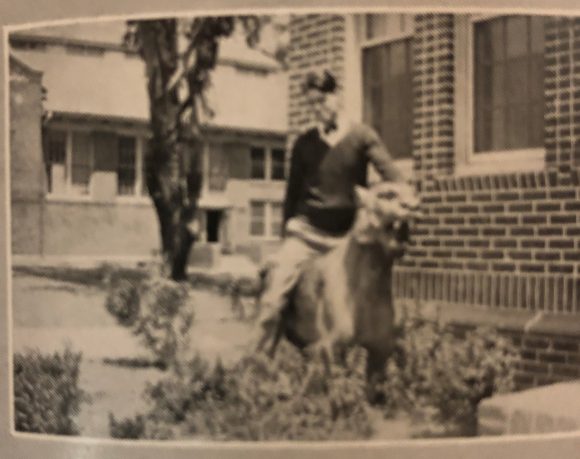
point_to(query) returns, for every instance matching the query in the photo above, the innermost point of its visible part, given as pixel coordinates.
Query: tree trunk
(173, 166)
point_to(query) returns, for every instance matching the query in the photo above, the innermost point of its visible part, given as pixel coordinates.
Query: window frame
(68, 194)
(268, 162)
(268, 234)
(468, 162)
(404, 165)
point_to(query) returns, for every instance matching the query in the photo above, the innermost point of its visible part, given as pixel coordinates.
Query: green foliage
(156, 310)
(46, 392)
(440, 377)
(261, 399)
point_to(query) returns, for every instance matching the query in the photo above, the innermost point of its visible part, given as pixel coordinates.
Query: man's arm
(294, 185)
(378, 154)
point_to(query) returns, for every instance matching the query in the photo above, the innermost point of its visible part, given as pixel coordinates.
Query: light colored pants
(302, 243)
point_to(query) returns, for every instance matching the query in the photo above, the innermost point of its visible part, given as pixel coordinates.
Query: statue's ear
(363, 196)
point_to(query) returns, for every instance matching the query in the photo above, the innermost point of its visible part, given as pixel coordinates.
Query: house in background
(483, 112)
(79, 124)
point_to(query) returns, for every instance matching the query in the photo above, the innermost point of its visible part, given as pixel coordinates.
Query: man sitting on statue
(328, 160)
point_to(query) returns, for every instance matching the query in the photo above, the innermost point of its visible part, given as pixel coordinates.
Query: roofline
(142, 122)
(36, 74)
(104, 46)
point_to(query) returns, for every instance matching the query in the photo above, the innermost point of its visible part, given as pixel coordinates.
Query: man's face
(326, 108)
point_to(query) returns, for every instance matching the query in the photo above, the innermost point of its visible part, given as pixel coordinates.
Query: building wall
(26, 163)
(491, 243)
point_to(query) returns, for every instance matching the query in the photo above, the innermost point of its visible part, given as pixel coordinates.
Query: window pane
(218, 167)
(278, 170)
(537, 35)
(398, 58)
(144, 166)
(258, 157)
(509, 82)
(55, 158)
(127, 166)
(516, 36)
(81, 167)
(257, 218)
(276, 226)
(376, 25)
(388, 102)
(517, 80)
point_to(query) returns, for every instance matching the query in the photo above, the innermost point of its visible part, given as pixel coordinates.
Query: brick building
(79, 124)
(482, 111)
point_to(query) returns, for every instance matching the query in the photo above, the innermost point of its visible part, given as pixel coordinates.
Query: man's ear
(363, 196)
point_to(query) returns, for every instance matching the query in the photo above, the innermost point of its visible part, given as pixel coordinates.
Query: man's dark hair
(324, 83)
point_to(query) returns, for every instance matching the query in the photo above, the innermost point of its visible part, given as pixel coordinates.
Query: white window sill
(503, 162)
(68, 198)
(141, 200)
(124, 200)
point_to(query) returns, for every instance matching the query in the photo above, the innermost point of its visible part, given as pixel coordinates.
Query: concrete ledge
(503, 319)
(554, 408)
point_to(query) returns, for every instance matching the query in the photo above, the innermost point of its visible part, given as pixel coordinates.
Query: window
(81, 162)
(127, 166)
(509, 83)
(277, 171)
(265, 219)
(388, 80)
(55, 160)
(72, 156)
(257, 218)
(258, 163)
(276, 219)
(218, 168)
(267, 163)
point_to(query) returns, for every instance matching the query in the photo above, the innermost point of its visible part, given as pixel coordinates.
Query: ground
(50, 314)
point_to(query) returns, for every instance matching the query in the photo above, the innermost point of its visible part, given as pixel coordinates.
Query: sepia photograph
(350, 225)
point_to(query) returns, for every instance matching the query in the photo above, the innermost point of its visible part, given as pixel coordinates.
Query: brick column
(562, 91)
(433, 90)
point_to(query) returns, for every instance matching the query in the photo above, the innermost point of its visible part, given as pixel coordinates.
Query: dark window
(126, 168)
(388, 94)
(257, 218)
(277, 217)
(258, 160)
(218, 167)
(82, 162)
(509, 83)
(55, 155)
(278, 168)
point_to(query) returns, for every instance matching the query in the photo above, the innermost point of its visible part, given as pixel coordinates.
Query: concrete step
(553, 408)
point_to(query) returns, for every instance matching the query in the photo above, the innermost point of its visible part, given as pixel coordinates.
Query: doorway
(213, 220)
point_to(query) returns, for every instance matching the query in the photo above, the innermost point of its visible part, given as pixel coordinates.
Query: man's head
(321, 91)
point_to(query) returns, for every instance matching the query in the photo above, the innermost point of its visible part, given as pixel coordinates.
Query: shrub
(261, 399)
(46, 392)
(156, 310)
(441, 377)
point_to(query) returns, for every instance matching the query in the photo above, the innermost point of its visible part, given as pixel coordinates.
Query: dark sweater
(322, 178)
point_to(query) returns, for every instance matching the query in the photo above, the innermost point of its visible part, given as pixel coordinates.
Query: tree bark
(173, 165)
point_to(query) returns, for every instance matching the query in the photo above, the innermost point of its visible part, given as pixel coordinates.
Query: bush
(46, 392)
(441, 377)
(261, 399)
(156, 310)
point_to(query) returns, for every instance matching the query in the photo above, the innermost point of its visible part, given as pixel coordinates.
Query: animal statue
(344, 297)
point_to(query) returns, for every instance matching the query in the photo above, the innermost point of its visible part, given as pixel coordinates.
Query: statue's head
(386, 214)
